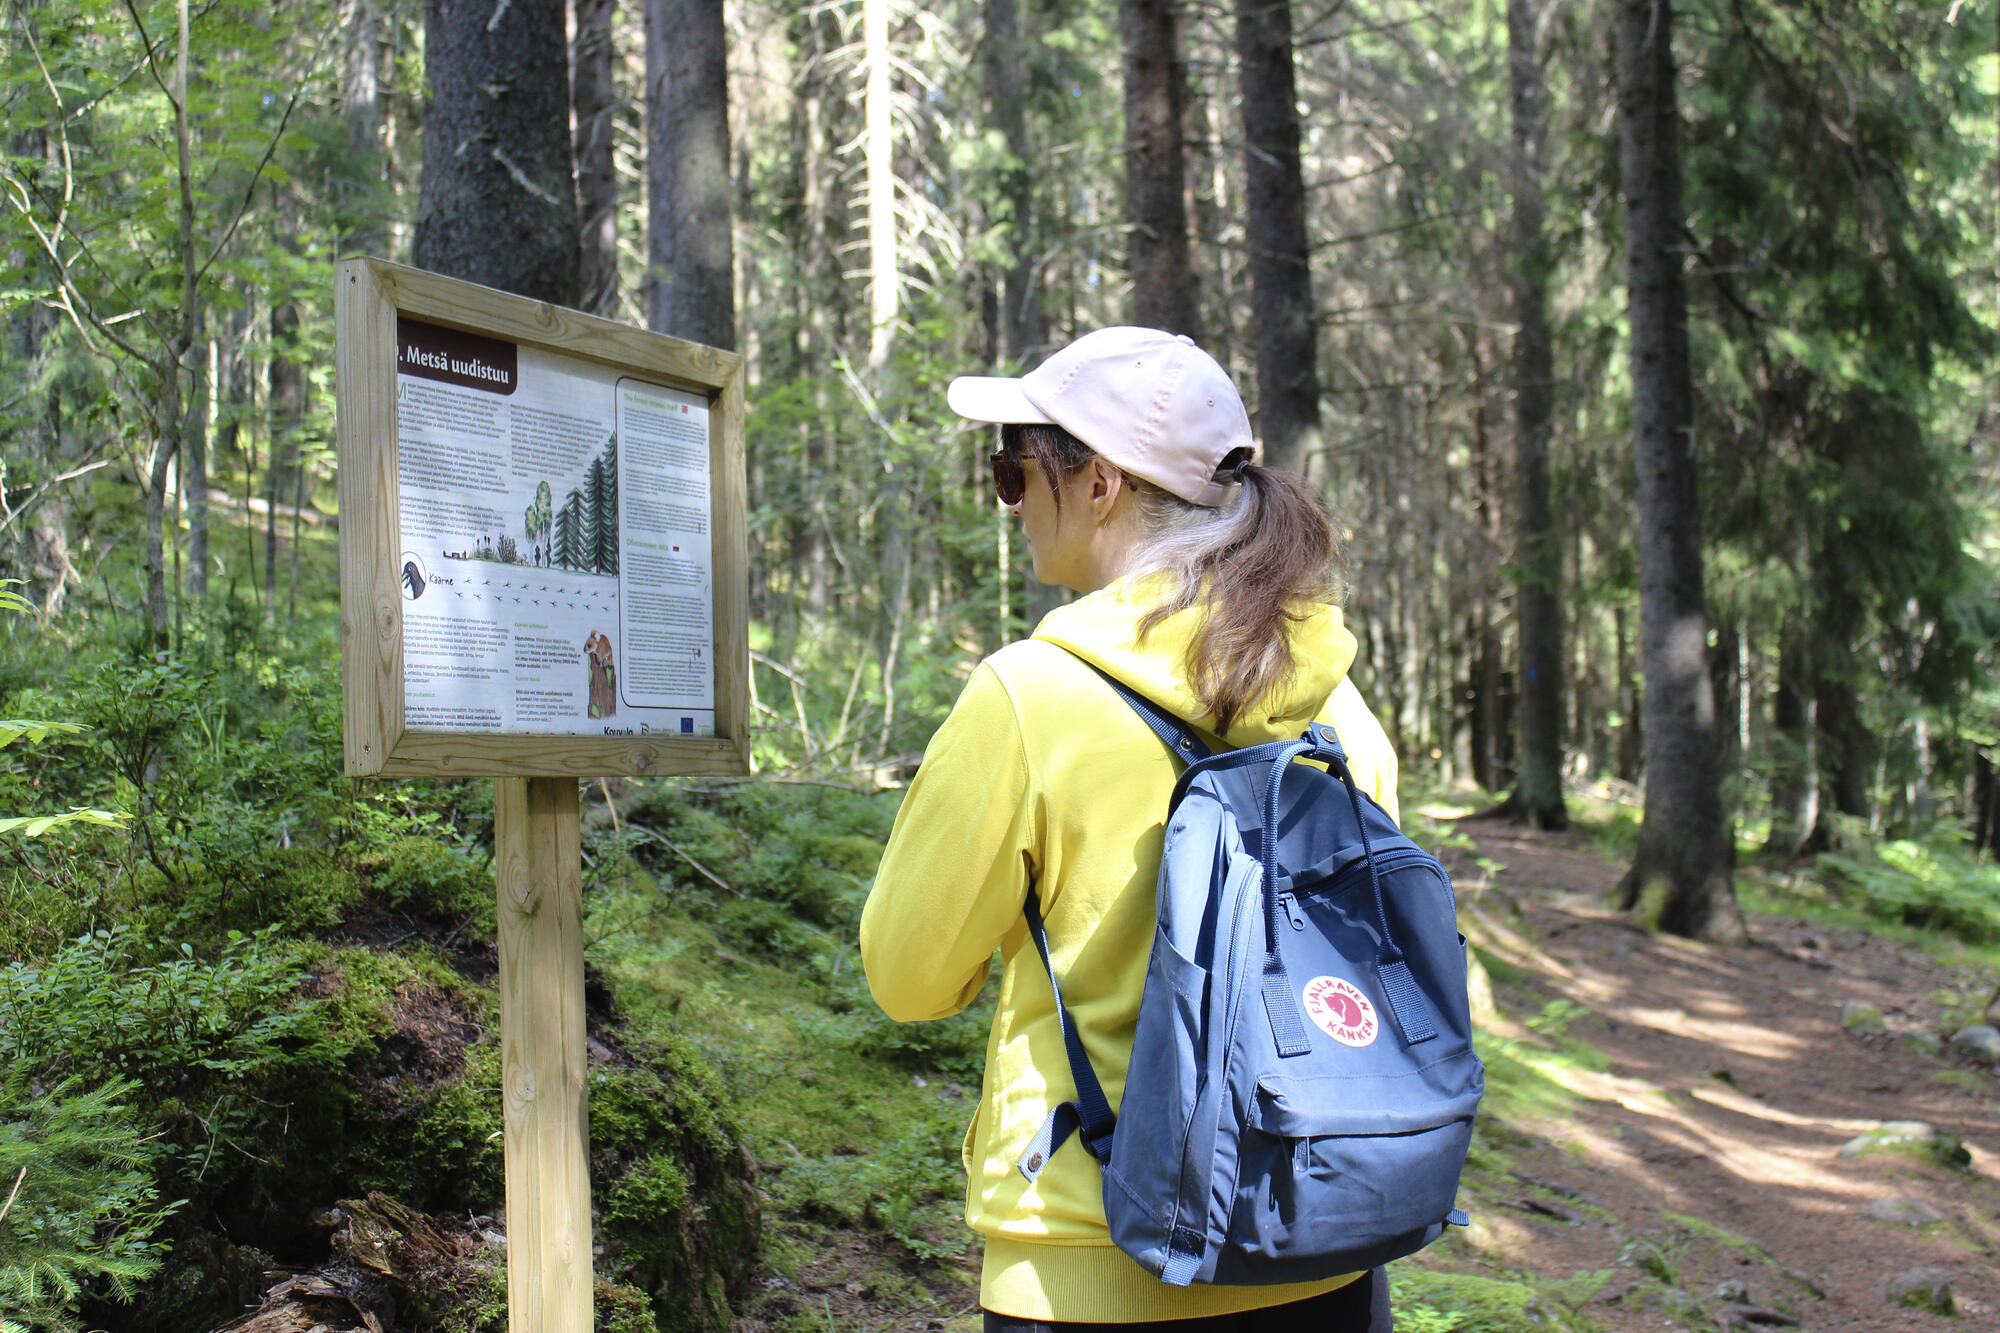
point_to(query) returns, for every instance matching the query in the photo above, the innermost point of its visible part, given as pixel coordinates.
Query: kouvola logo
(1341, 1011)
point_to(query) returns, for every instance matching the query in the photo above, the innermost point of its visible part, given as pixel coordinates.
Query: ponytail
(1254, 564)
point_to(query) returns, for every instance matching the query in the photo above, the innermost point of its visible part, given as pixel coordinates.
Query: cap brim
(992, 398)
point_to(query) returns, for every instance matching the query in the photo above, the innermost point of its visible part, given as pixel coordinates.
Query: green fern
(1932, 884)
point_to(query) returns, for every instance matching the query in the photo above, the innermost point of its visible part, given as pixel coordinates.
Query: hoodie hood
(1103, 629)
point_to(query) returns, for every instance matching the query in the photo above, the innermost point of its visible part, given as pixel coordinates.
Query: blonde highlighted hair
(1255, 565)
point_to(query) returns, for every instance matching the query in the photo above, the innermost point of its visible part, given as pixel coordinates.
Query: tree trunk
(287, 406)
(1020, 323)
(884, 279)
(595, 98)
(1482, 704)
(365, 101)
(194, 479)
(168, 423)
(1162, 271)
(1848, 749)
(1985, 803)
(1683, 852)
(1794, 786)
(231, 408)
(34, 538)
(1631, 724)
(1538, 796)
(166, 447)
(497, 203)
(689, 250)
(1281, 298)
(1725, 681)
(1211, 209)
(1486, 714)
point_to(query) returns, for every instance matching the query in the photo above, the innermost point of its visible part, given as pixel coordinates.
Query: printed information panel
(557, 563)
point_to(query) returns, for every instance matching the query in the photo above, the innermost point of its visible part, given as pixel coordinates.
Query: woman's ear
(1107, 483)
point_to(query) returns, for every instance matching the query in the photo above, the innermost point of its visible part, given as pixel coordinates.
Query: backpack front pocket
(1343, 1182)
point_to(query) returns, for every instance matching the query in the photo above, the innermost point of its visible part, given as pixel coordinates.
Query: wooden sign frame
(369, 296)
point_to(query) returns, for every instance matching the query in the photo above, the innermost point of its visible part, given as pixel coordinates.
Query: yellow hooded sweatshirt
(1043, 776)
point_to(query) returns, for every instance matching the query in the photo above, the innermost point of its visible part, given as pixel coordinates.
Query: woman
(1207, 580)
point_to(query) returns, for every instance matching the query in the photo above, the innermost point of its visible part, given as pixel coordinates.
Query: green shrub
(1431, 1302)
(909, 1188)
(954, 1046)
(243, 889)
(427, 874)
(190, 1030)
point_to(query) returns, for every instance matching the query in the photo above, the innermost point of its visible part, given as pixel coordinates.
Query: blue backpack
(1303, 1083)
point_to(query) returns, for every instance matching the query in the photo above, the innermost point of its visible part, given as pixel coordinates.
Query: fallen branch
(706, 873)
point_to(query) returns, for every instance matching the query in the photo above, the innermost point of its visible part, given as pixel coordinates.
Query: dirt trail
(1730, 1088)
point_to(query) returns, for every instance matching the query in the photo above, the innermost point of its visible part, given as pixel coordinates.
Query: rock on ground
(1922, 1289)
(1911, 1138)
(1904, 1213)
(1857, 1016)
(1979, 1040)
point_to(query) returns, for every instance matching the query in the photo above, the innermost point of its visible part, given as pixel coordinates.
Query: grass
(1439, 1302)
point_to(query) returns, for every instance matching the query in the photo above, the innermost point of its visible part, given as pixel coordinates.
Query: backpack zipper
(1385, 863)
(1291, 905)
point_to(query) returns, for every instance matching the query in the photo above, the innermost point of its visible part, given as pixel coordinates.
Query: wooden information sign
(544, 575)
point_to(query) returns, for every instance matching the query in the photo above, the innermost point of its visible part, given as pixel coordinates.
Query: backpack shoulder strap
(1187, 747)
(1091, 1112)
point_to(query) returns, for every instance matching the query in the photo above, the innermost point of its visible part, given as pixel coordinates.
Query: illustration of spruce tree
(572, 536)
(611, 494)
(601, 496)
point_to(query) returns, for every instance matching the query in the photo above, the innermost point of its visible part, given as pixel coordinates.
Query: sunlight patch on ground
(1488, 932)
(1727, 1099)
(1719, 1006)
(1748, 1038)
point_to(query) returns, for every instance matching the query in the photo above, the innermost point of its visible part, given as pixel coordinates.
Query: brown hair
(1055, 451)
(1254, 564)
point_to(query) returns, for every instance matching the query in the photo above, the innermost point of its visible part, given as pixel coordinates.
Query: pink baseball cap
(1151, 402)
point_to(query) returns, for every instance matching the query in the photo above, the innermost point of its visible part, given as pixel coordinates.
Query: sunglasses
(1008, 477)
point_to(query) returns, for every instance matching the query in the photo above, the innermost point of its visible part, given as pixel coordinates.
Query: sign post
(544, 577)
(537, 863)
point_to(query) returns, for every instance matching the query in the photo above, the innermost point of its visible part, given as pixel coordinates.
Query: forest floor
(1697, 1159)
